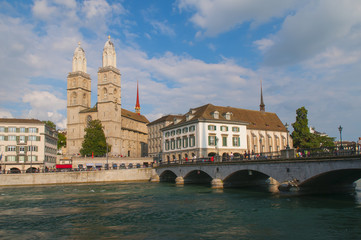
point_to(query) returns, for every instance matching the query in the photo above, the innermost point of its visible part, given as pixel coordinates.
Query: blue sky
(186, 53)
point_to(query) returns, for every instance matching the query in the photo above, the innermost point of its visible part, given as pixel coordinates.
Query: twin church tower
(124, 130)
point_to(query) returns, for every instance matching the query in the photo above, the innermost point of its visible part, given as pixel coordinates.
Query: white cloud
(5, 114)
(263, 44)
(218, 16)
(333, 57)
(163, 28)
(44, 106)
(315, 28)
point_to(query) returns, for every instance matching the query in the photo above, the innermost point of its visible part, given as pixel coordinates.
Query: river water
(165, 211)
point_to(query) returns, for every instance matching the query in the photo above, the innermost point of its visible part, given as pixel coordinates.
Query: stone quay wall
(122, 175)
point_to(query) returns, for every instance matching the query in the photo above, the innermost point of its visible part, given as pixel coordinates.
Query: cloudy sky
(186, 53)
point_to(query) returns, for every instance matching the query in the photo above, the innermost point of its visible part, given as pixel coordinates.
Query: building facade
(26, 144)
(155, 135)
(214, 130)
(125, 131)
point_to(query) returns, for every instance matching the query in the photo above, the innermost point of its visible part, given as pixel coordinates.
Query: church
(125, 131)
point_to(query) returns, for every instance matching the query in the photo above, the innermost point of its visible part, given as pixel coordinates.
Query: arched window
(115, 92)
(105, 93)
(105, 78)
(88, 119)
(74, 82)
(84, 99)
(84, 83)
(73, 98)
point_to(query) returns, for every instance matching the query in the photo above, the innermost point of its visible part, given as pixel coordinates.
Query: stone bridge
(289, 174)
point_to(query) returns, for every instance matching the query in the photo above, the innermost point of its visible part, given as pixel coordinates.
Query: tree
(61, 140)
(94, 140)
(301, 135)
(50, 124)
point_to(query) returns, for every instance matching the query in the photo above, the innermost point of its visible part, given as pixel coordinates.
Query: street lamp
(217, 149)
(340, 129)
(288, 146)
(107, 168)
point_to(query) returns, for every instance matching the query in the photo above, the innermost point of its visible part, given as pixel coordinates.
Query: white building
(26, 143)
(214, 130)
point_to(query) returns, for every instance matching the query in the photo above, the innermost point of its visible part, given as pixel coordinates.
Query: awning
(61, 166)
(98, 165)
(90, 164)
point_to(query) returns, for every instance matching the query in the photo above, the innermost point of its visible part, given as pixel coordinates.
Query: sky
(187, 53)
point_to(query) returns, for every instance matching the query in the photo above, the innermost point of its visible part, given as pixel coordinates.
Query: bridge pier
(217, 183)
(155, 178)
(179, 181)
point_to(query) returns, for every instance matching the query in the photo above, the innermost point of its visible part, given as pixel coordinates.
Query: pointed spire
(137, 105)
(262, 107)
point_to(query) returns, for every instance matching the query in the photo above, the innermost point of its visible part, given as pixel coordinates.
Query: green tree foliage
(94, 140)
(301, 135)
(61, 140)
(50, 124)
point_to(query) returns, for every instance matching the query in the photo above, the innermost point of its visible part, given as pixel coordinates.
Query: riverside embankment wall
(137, 174)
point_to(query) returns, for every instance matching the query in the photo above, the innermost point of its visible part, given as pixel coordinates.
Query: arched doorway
(31, 170)
(15, 170)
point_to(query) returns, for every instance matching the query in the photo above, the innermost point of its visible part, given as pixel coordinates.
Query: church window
(115, 93)
(88, 119)
(74, 82)
(84, 99)
(73, 98)
(105, 77)
(105, 93)
(84, 83)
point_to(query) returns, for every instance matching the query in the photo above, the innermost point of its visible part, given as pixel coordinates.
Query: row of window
(21, 129)
(21, 159)
(223, 128)
(179, 131)
(213, 141)
(21, 149)
(179, 143)
(20, 139)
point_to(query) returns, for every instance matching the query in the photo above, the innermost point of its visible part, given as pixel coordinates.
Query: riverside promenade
(120, 175)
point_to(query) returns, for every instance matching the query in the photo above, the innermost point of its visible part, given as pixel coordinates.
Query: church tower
(262, 107)
(109, 98)
(137, 105)
(78, 99)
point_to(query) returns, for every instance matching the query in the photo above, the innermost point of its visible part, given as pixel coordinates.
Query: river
(165, 211)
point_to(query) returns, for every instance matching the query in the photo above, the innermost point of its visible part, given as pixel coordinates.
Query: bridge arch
(168, 176)
(197, 176)
(332, 179)
(245, 178)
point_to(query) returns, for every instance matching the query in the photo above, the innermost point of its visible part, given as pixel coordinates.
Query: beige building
(215, 130)
(26, 144)
(124, 130)
(155, 135)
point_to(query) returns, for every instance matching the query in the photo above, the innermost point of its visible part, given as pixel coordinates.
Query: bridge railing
(327, 151)
(300, 153)
(217, 159)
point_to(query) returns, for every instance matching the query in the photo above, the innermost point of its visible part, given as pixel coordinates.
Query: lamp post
(217, 150)
(288, 146)
(107, 168)
(31, 156)
(340, 130)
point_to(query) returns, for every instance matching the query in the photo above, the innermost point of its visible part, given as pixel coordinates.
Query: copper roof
(255, 119)
(134, 116)
(17, 120)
